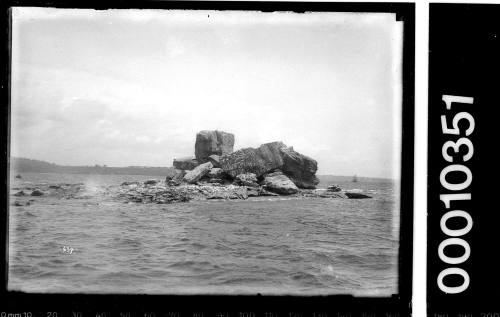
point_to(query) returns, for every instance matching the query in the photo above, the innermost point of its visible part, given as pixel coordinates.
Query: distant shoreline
(19, 165)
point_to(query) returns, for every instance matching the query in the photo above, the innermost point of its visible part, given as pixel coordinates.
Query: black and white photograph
(199, 152)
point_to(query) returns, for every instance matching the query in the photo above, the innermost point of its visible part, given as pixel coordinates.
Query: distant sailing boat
(355, 178)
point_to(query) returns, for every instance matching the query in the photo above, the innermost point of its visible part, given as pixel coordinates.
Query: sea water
(261, 245)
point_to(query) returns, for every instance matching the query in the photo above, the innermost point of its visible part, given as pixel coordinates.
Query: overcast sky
(132, 87)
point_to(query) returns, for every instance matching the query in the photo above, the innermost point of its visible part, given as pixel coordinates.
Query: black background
(464, 60)
(335, 306)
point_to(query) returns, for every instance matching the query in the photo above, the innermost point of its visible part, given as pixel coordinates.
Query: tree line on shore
(21, 165)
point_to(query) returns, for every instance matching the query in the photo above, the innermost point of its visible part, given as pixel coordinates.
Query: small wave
(29, 214)
(355, 190)
(321, 257)
(328, 270)
(156, 273)
(129, 243)
(56, 261)
(48, 274)
(236, 280)
(375, 261)
(125, 276)
(23, 227)
(190, 263)
(306, 278)
(21, 269)
(83, 267)
(224, 247)
(198, 246)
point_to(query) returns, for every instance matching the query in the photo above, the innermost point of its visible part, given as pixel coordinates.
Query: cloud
(174, 47)
(125, 88)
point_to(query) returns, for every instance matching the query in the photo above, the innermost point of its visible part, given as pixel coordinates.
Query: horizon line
(108, 166)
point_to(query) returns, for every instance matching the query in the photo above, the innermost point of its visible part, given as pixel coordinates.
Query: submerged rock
(37, 192)
(197, 173)
(20, 193)
(213, 142)
(277, 182)
(353, 195)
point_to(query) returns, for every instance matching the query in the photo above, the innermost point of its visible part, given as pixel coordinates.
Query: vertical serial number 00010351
(452, 151)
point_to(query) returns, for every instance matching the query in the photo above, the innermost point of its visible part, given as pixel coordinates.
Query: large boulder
(213, 142)
(299, 168)
(175, 175)
(186, 163)
(249, 160)
(197, 173)
(278, 183)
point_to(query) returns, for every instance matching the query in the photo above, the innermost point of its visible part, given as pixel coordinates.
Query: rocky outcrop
(246, 179)
(213, 142)
(278, 183)
(163, 192)
(197, 173)
(185, 163)
(216, 147)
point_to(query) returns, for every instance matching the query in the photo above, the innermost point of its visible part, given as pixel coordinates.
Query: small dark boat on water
(18, 176)
(355, 179)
